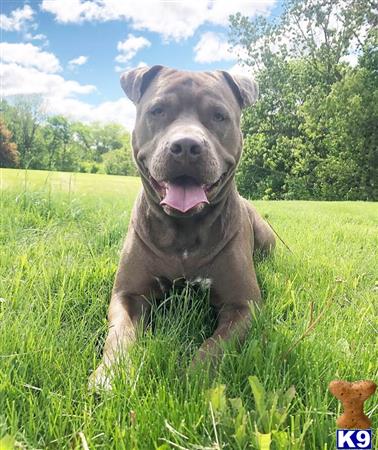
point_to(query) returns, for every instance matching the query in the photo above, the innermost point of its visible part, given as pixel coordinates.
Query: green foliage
(313, 132)
(263, 427)
(119, 162)
(59, 147)
(56, 143)
(90, 167)
(23, 119)
(98, 139)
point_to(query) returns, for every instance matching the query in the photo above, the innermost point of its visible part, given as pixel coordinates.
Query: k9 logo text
(347, 439)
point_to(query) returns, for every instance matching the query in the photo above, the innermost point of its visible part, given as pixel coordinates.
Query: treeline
(30, 139)
(313, 133)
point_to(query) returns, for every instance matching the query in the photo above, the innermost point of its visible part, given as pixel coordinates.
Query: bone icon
(352, 396)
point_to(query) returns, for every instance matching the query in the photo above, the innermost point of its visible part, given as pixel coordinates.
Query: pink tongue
(184, 195)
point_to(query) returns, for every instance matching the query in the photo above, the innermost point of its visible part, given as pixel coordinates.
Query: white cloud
(120, 111)
(60, 95)
(351, 58)
(130, 47)
(79, 61)
(240, 69)
(18, 80)
(173, 20)
(17, 19)
(28, 55)
(36, 37)
(220, 10)
(22, 20)
(213, 47)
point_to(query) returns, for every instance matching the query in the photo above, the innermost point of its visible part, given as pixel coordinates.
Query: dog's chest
(165, 284)
(186, 265)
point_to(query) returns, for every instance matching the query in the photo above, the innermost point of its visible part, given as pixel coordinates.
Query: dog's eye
(157, 111)
(219, 117)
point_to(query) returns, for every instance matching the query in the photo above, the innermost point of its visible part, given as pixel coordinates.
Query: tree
(56, 143)
(321, 32)
(23, 118)
(9, 156)
(97, 139)
(58, 135)
(293, 140)
(349, 113)
(119, 162)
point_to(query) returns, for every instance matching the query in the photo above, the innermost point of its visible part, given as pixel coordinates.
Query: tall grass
(60, 237)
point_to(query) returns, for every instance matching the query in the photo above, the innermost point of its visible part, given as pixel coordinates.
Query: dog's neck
(215, 226)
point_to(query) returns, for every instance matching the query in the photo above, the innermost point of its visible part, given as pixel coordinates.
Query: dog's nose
(186, 147)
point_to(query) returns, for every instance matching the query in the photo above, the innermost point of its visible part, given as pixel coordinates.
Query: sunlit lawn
(60, 238)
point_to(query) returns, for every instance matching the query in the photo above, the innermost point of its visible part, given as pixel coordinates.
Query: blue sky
(71, 52)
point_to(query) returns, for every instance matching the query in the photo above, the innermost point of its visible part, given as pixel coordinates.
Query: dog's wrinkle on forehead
(194, 98)
(185, 82)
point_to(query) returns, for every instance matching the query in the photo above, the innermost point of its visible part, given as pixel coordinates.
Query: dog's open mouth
(184, 193)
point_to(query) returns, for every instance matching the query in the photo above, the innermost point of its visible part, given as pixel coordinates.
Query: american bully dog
(189, 220)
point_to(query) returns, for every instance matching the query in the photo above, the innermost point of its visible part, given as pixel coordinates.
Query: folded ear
(136, 81)
(245, 88)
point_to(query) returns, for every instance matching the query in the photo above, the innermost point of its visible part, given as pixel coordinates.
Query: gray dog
(189, 220)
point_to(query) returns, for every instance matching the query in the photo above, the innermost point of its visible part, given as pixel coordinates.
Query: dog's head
(187, 139)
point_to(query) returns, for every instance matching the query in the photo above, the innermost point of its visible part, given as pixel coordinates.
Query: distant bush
(90, 167)
(119, 162)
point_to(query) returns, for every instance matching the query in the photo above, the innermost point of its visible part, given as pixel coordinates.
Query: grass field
(60, 237)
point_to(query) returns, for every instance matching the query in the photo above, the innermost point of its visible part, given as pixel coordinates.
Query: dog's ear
(136, 81)
(245, 88)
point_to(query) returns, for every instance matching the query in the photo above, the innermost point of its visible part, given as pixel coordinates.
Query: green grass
(60, 237)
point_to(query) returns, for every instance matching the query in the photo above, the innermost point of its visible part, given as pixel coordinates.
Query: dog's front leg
(233, 323)
(133, 284)
(126, 314)
(233, 291)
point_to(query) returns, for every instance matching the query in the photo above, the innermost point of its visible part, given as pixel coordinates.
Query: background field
(60, 237)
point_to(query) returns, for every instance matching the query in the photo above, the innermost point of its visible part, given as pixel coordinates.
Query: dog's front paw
(101, 379)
